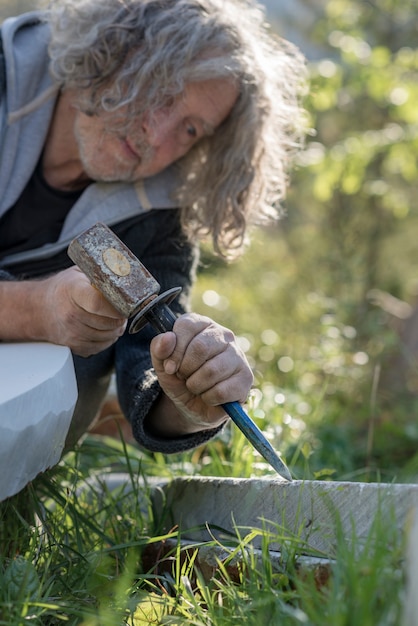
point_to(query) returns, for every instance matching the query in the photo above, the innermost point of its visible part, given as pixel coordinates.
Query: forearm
(165, 420)
(63, 309)
(22, 317)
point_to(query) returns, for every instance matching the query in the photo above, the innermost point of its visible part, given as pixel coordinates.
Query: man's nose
(157, 130)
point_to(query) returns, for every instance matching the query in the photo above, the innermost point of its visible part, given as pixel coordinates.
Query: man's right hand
(64, 309)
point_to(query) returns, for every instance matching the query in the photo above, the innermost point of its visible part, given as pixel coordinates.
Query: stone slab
(38, 393)
(410, 617)
(315, 512)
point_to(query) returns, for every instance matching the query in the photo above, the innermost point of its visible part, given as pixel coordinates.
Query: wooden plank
(315, 512)
(158, 559)
(38, 393)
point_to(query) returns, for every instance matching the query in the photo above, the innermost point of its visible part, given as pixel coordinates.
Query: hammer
(122, 279)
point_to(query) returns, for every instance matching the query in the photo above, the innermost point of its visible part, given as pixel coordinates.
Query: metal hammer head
(113, 269)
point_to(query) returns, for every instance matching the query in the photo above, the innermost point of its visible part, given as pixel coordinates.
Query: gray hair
(141, 53)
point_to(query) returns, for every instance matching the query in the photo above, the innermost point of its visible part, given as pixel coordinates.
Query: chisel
(133, 291)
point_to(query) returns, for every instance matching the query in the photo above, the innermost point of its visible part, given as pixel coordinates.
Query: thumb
(162, 347)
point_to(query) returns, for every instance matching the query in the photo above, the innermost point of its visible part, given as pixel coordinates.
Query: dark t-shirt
(37, 217)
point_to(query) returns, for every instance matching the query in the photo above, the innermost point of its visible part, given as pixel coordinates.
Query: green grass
(72, 553)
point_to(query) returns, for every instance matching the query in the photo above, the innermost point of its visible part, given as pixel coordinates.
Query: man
(169, 120)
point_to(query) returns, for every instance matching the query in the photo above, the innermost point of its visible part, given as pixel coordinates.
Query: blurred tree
(358, 182)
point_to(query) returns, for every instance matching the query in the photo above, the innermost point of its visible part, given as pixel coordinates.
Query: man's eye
(191, 130)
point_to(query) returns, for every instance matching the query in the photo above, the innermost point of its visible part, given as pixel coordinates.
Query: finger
(89, 348)
(93, 342)
(162, 347)
(103, 324)
(90, 299)
(103, 334)
(229, 390)
(211, 342)
(187, 327)
(94, 302)
(225, 379)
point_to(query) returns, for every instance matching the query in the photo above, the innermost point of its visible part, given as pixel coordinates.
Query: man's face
(157, 140)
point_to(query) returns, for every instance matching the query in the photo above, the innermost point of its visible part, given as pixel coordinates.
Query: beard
(107, 157)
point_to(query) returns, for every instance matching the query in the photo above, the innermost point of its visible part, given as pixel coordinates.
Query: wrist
(166, 420)
(21, 319)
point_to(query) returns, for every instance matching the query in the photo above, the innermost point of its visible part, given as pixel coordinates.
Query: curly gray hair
(141, 54)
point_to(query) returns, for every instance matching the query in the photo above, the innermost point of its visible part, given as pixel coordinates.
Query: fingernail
(170, 366)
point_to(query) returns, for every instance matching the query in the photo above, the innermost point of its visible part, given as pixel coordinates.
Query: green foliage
(305, 299)
(357, 184)
(354, 196)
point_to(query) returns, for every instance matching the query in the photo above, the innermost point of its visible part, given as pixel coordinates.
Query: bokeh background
(325, 303)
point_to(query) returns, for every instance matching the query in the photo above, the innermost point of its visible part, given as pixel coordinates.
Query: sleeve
(172, 260)
(6, 276)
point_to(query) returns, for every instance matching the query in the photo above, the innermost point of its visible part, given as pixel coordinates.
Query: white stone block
(38, 393)
(315, 512)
